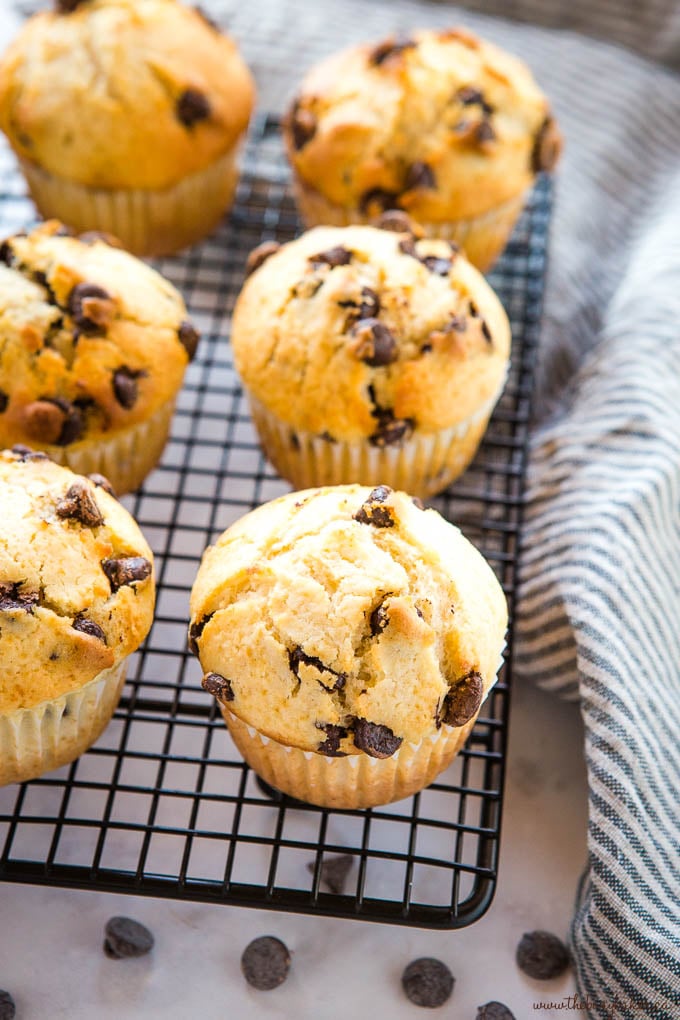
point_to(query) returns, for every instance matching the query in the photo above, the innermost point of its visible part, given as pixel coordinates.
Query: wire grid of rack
(163, 804)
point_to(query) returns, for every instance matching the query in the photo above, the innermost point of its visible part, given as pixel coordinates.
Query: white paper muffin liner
(55, 732)
(146, 221)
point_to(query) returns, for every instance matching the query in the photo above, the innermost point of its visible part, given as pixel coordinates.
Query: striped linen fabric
(600, 610)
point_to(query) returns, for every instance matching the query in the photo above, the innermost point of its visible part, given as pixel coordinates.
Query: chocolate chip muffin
(350, 638)
(441, 124)
(370, 355)
(76, 598)
(93, 348)
(126, 117)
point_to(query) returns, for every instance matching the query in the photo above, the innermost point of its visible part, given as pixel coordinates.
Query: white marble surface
(50, 940)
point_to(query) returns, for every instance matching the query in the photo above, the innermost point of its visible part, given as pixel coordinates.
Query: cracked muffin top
(123, 93)
(91, 339)
(369, 333)
(76, 580)
(346, 620)
(439, 123)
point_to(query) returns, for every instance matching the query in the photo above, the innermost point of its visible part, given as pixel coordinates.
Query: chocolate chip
(372, 512)
(191, 107)
(484, 132)
(125, 388)
(126, 938)
(486, 332)
(378, 620)
(547, 146)
(407, 246)
(12, 598)
(25, 453)
(437, 264)
(338, 256)
(4, 401)
(374, 739)
(218, 686)
(85, 626)
(331, 745)
(468, 95)
(388, 49)
(79, 504)
(427, 982)
(8, 1009)
(260, 255)
(374, 344)
(265, 963)
(68, 6)
(463, 699)
(334, 872)
(53, 420)
(296, 657)
(395, 220)
(303, 125)
(188, 337)
(420, 176)
(91, 307)
(102, 483)
(376, 201)
(391, 430)
(126, 570)
(6, 253)
(542, 955)
(195, 631)
(494, 1011)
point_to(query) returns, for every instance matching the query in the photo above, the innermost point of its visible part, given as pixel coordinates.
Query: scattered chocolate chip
(79, 504)
(334, 871)
(265, 963)
(188, 337)
(195, 631)
(547, 146)
(68, 6)
(427, 982)
(420, 176)
(8, 1009)
(378, 620)
(437, 264)
(93, 236)
(494, 1011)
(297, 657)
(4, 401)
(484, 132)
(373, 512)
(456, 324)
(367, 307)
(388, 49)
(463, 699)
(376, 201)
(468, 95)
(126, 570)
(374, 739)
(85, 626)
(25, 453)
(218, 686)
(374, 344)
(6, 253)
(474, 310)
(486, 332)
(338, 256)
(395, 220)
(102, 483)
(294, 441)
(91, 307)
(260, 255)
(542, 955)
(53, 420)
(191, 107)
(126, 938)
(407, 246)
(331, 745)
(303, 125)
(205, 17)
(390, 430)
(125, 388)
(13, 599)
(325, 435)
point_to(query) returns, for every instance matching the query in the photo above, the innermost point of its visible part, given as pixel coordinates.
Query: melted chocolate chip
(420, 176)
(188, 337)
(68, 6)
(437, 264)
(334, 871)
(541, 955)
(53, 420)
(297, 657)
(378, 620)
(6, 253)
(12, 598)
(218, 686)
(390, 430)
(427, 982)
(463, 700)
(331, 745)
(338, 256)
(468, 95)
(395, 220)
(25, 453)
(265, 963)
(195, 631)
(126, 570)
(4, 401)
(102, 483)
(91, 308)
(374, 739)
(547, 146)
(79, 504)
(85, 626)
(192, 107)
(389, 49)
(374, 343)
(376, 201)
(486, 332)
(494, 1011)
(372, 512)
(303, 125)
(125, 387)
(484, 132)
(126, 938)
(259, 255)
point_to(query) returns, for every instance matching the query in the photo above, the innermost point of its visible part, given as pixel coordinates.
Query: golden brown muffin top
(347, 619)
(367, 333)
(441, 124)
(123, 93)
(91, 339)
(76, 580)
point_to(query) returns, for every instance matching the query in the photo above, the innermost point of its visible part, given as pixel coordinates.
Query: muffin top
(440, 124)
(123, 93)
(76, 580)
(367, 333)
(345, 620)
(91, 339)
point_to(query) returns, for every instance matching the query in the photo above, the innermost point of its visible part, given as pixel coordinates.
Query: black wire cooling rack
(164, 805)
